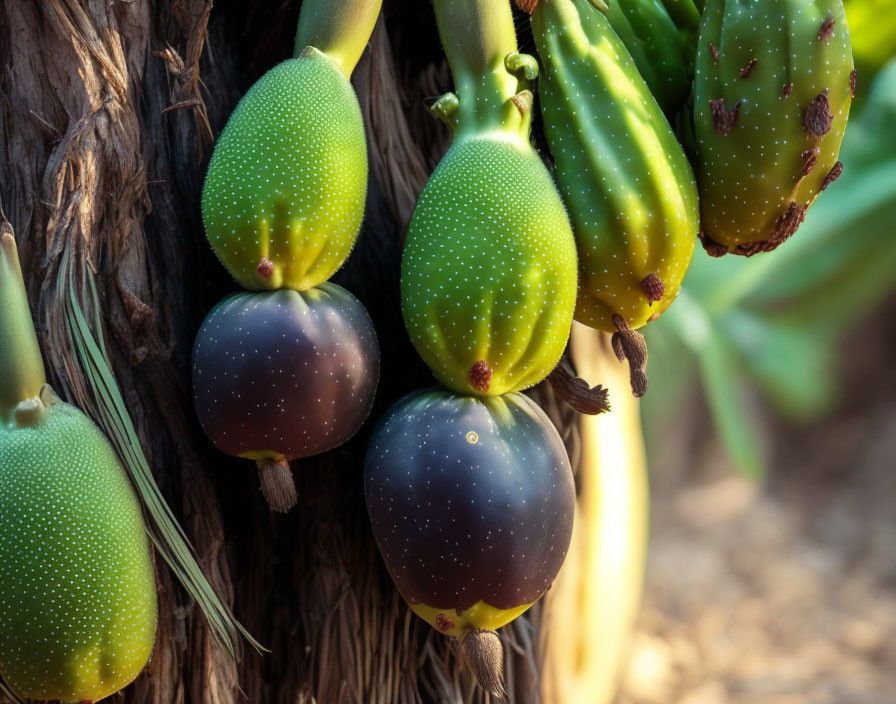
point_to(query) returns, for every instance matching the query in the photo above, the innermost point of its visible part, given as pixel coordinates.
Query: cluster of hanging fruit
(468, 487)
(667, 122)
(289, 368)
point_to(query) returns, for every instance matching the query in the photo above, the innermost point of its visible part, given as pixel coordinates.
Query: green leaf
(163, 529)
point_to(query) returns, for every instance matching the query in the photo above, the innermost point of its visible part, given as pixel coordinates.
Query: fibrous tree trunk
(108, 114)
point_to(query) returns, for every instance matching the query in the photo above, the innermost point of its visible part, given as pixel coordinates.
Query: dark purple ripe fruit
(284, 374)
(471, 500)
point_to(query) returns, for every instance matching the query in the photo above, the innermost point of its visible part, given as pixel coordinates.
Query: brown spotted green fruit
(77, 588)
(471, 500)
(488, 277)
(284, 195)
(772, 93)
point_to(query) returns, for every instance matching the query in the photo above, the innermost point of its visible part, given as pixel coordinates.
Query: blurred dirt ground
(784, 592)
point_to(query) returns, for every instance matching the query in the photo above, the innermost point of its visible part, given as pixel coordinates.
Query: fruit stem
(480, 42)
(338, 28)
(277, 484)
(481, 649)
(21, 365)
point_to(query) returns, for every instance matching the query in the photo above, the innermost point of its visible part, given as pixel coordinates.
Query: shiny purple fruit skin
(285, 373)
(470, 498)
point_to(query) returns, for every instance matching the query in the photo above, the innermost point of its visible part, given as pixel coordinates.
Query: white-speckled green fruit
(772, 94)
(488, 276)
(627, 183)
(284, 196)
(77, 587)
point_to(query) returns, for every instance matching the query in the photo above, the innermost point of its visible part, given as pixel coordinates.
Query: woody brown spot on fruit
(745, 71)
(713, 248)
(787, 224)
(832, 175)
(653, 288)
(852, 83)
(265, 268)
(787, 90)
(715, 53)
(480, 375)
(809, 157)
(723, 119)
(817, 117)
(827, 28)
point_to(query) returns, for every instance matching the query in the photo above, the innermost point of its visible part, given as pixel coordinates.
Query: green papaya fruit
(78, 606)
(772, 93)
(284, 195)
(488, 276)
(625, 179)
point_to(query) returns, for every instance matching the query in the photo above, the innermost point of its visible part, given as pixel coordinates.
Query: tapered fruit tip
(523, 101)
(277, 484)
(480, 375)
(265, 268)
(653, 287)
(482, 651)
(527, 6)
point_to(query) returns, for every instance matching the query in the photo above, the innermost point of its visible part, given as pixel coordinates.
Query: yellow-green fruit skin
(288, 177)
(627, 183)
(488, 273)
(770, 62)
(77, 588)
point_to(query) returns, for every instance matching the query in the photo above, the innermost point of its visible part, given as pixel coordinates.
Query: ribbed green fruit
(284, 196)
(771, 98)
(77, 587)
(488, 277)
(625, 179)
(663, 53)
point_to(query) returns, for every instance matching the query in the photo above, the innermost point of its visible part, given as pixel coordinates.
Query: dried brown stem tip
(576, 392)
(482, 651)
(527, 6)
(629, 345)
(277, 484)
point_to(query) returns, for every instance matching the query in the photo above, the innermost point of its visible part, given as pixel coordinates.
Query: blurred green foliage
(774, 322)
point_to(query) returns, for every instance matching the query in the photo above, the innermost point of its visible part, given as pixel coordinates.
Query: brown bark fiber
(108, 112)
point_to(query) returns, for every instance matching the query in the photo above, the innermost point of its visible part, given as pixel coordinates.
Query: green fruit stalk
(284, 195)
(78, 604)
(772, 93)
(488, 278)
(624, 177)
